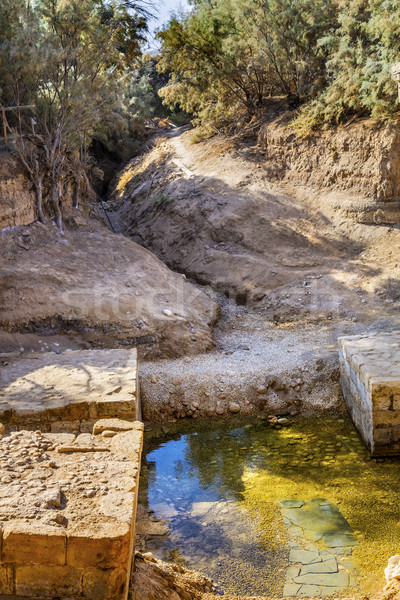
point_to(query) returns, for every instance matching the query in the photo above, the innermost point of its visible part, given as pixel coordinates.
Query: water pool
(297, 511)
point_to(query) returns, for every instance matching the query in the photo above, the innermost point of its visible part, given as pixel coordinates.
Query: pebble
(167, 312)
(59, 518)
(234, 407)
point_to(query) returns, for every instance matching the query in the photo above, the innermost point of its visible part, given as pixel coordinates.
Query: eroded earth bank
(236, 264)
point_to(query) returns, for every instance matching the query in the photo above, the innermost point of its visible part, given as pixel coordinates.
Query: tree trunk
(56, 202)
(38, 183)
(77, 188)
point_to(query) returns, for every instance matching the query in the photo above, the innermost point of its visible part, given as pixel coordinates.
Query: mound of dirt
(103, 286)
(210, 210)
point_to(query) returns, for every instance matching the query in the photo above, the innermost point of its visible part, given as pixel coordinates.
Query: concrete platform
(67, 512)
(370, 379)
(70, 391)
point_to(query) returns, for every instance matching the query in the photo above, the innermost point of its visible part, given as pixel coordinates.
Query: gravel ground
(256, 367)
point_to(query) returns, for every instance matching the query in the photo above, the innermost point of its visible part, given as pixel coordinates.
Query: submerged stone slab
(339, 539)
(339, 580)
(326, 566)
(291, 589)
(321, 519)
(315, 591)
(70, 391)
(370, 379)
(67, 517)
(304, 557)
(292, 503)
(316, 567)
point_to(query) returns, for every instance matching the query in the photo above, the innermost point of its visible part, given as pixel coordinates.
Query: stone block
(340, 579)
(87, 485)
(115, 425)
(72, 387)
(7, 579)
(106, 546)
(373, 400)
(65, 426)
(45, 581)
(71, 411)
(29, 543)
(105, 584)
(128, 444)
(117, 407)
(386, 417)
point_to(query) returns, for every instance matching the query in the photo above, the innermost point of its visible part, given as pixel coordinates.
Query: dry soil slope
(279, 249)
(104, 286)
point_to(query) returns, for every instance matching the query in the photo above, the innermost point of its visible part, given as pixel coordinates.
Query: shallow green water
(227, 494)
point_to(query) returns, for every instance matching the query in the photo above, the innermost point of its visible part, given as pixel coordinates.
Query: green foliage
(335, 56)
(227, 56)
(362, 52)
(76, 61)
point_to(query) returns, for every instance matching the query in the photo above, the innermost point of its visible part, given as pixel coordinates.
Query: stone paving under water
(317, 570)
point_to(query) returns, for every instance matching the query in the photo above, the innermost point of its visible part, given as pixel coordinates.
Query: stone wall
(370, 379)
(67, 512)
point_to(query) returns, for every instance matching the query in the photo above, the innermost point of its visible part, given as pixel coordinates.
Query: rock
(392, 571)
(262, 390)
(219, 410)
(2, 429)
(234, 407)
(108, 433)
(292, 503)
(167, 312)
(115, 390)
(153, 379)
(305, 557)
(52, 498)
(279, 386)
(339, 579)
(148, 555)
(115, 425)
(59, 518)
(151, 528)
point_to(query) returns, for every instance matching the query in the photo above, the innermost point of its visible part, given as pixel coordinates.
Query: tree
(73, 53)
(229, 55)
(361, 53)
